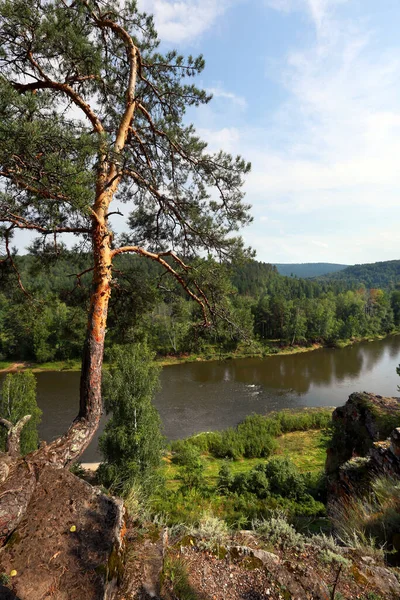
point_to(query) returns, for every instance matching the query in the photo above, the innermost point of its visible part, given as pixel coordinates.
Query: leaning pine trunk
(71, 445)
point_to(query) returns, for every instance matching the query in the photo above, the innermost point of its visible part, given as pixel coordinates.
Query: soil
(236, 572)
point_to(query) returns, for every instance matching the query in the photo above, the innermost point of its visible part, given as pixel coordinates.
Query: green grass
(307, 449)
(59, 365)
(5, 364)
(212, 466)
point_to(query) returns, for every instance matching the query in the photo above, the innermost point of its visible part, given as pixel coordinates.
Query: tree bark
(71, 445)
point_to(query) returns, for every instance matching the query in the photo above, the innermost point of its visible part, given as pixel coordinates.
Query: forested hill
(384, 275)
(266, 307)
(308, 269)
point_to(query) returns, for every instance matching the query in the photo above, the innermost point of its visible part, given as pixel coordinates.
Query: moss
(251, 562)
(13, 539)
(115, 566)
(220, 552)
(359, 577)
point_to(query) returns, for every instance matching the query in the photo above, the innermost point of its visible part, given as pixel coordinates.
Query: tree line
(260, 308)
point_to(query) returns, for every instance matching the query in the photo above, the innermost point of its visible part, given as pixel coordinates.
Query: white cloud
(332, 146)
(219, 92)
(184, 20)
(227, 138)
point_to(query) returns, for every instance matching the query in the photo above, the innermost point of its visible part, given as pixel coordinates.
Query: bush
(211, 529)
(279, 533)
(225, 479)
(254, 437)
(185, 453)
(191, 472)
(256, 433)
(228, 445)
(284, 478)
(304, 420)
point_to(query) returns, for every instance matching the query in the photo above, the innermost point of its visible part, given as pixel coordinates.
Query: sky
(309, 92)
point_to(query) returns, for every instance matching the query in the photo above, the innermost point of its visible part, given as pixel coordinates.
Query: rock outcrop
(68, 545)
(365, 421)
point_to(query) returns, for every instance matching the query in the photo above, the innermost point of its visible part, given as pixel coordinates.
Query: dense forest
(308, 269)
(372, 275)
(262, 309)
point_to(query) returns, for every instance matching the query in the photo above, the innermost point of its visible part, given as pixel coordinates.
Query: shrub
(303, 420)
(230, 445)
(185, 453)
(279, 533)
(225, 479)
(211, 529)
(191, 472)
(329, 557)
(257, 482)
(284, 478)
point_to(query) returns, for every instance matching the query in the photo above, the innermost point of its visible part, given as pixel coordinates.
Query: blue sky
(309, 92)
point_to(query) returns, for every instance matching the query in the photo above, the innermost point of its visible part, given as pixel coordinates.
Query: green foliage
(256, 434)
(268, 307)
(18, 398)
(210, 529)
(278, 476)
(384, 274)
(131, 443)
(191, 473)
(304, 420)
(308, 269)
(329, 557)
(284, 478)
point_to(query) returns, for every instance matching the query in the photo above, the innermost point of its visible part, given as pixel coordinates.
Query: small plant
(77, 469)
(324, 542)
(5, 579)
(175, 571)
(210, 529)
(329, 557)
(370, 522)
(279, 533)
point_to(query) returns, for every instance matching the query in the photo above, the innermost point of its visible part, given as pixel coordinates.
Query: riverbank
(274, 349)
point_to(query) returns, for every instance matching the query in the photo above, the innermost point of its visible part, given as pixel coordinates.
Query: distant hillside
(373, 275)
(308, 269)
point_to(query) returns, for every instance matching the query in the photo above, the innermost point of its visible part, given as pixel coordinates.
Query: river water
(204, 396)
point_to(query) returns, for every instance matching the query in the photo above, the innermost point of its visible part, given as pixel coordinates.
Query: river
(204, 396)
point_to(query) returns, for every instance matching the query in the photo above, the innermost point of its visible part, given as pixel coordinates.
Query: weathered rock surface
(362, 421)
(299, 581)
(68, 544)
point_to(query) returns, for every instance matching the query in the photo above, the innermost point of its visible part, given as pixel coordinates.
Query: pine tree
(92, 113)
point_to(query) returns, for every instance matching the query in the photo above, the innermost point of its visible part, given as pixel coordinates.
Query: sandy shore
(90, 466)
